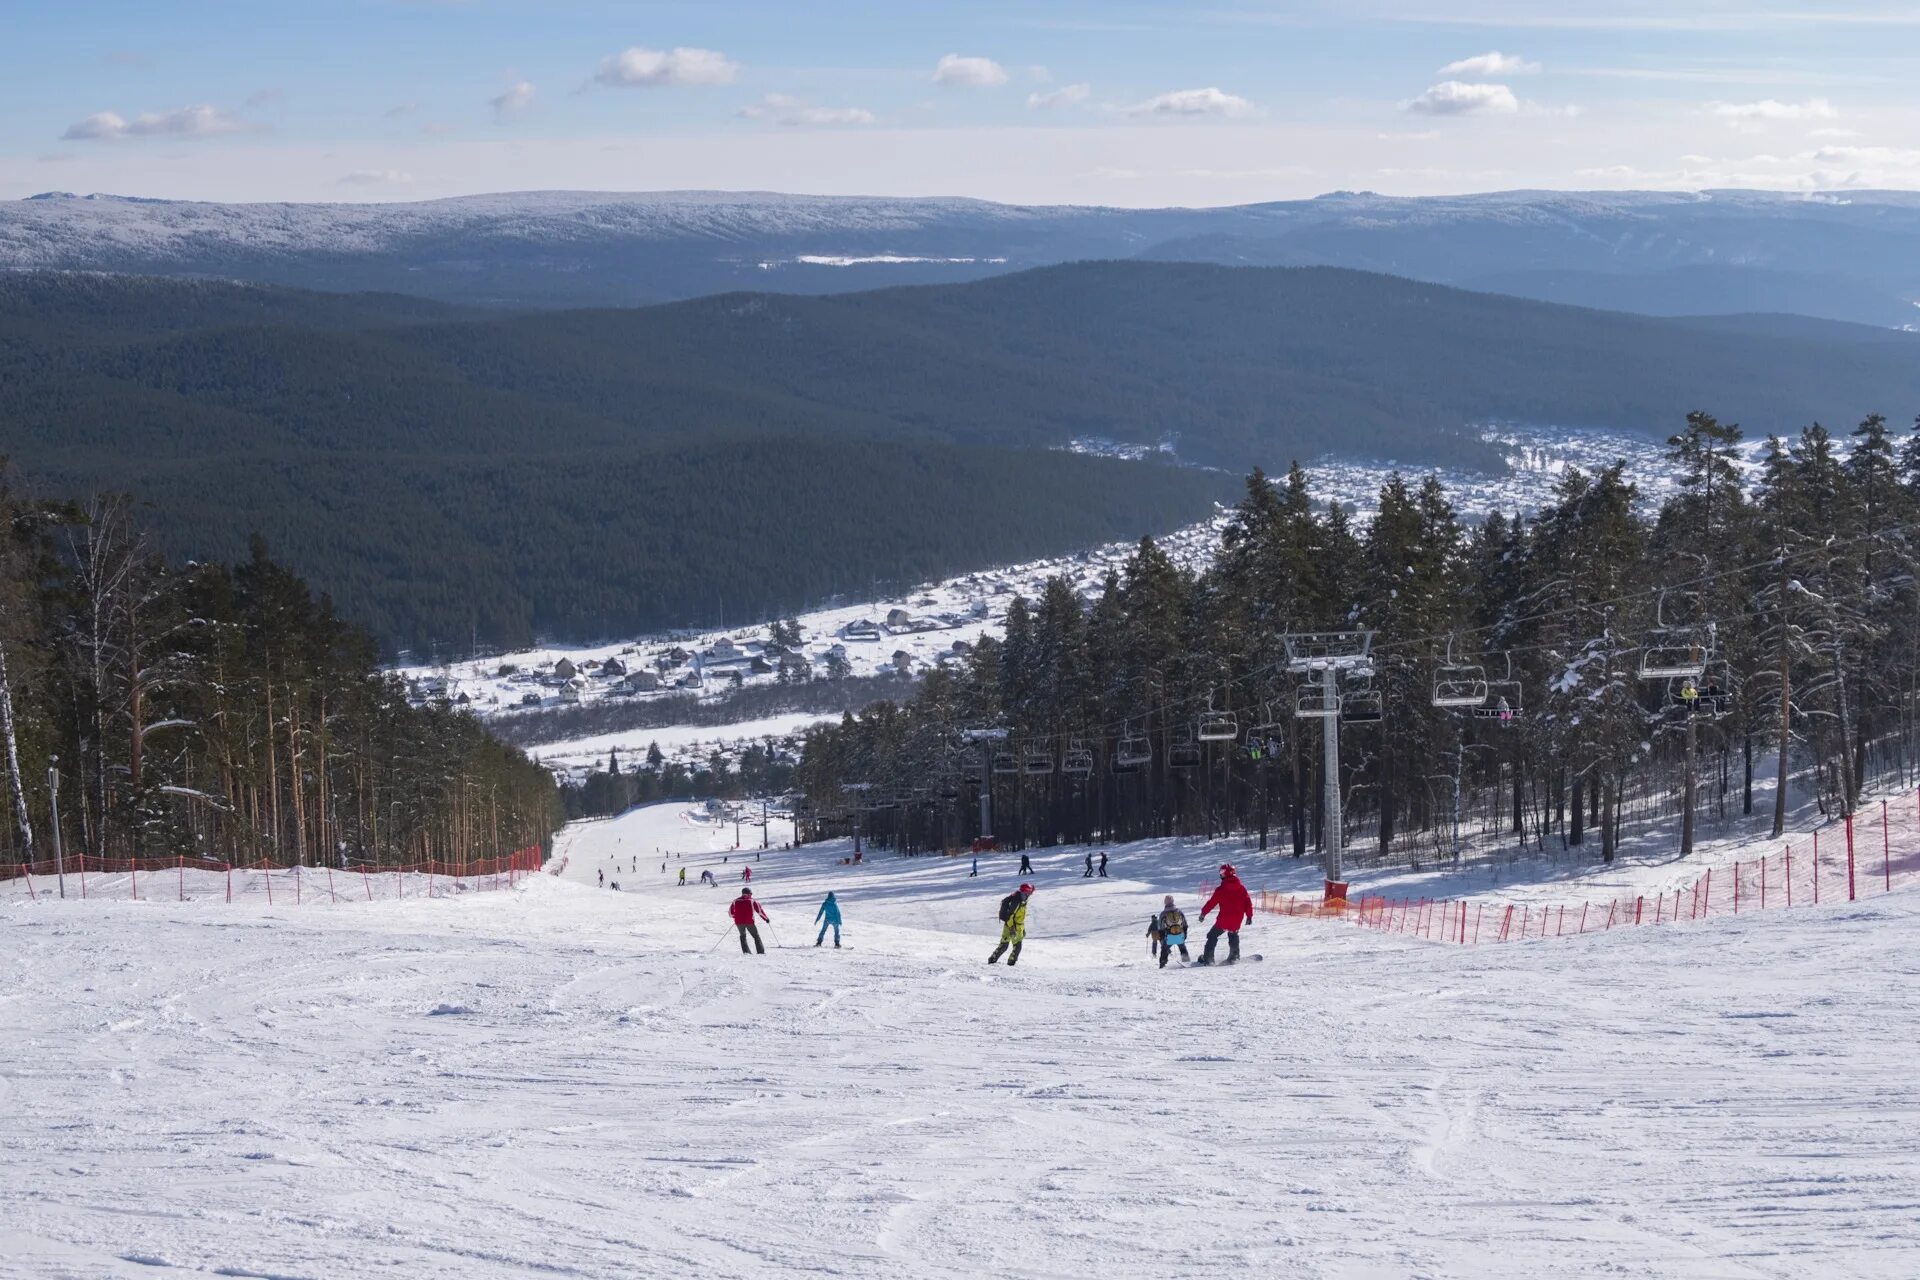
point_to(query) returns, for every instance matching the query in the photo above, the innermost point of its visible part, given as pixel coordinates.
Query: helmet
(1026, 888)
(1226, 869)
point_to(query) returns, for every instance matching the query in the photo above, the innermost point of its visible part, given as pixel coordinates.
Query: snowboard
(1228, 964)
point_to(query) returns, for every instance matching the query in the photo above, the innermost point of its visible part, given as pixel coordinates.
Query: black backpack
(1010, 904)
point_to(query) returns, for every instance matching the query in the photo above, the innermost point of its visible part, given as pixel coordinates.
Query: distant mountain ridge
(1847, 255)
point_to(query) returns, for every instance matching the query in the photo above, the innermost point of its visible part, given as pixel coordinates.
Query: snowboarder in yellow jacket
(1013, 925)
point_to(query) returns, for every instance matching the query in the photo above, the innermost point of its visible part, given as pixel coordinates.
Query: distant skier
(603, 877)
(743, 909)
(1169, 930)
(1088, 873)
(683, 876)
(1026, 865)
(1236, 908)
(828, 917)
(1013, 925)
(706, 877)
(1103, 864)
(746, 874)
(976, 869)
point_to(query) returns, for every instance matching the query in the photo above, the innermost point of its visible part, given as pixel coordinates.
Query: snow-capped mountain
(1853, 255)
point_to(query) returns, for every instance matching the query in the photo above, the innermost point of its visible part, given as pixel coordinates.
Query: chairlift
(1316, 702)
(1264, 739)
(1505, 701)
(1674, 653)
(1131, 751)
(1458, 684)
(1184, 752)
(1037, 761)
(1708, 696)
(1362, 706)
(1005, 762)
(1078, 759)
(1217, 726)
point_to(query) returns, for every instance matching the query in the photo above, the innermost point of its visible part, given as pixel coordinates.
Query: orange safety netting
(1860, 856)
(206, 877)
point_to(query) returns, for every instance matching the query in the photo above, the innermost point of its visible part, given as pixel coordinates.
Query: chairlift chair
(1708, 696)
(1132, 751)
(1672, 653)
(1217, 726)
(1037, 761)
(1078, 759)
(1316, 703)
(1264, 739)
(1184, 752)
(1362, 706)
(1504, 703)
(1005, 762)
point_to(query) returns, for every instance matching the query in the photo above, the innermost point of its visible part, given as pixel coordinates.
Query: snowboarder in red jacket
(1235, 905)
(743, 909)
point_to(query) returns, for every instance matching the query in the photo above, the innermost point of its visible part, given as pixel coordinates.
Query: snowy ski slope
(567, 1080)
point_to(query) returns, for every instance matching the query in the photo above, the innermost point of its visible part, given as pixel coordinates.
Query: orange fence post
(1639, 905)
(1476, 922)
(1850, 893)
(1736, 888)
(1816, 868)
(1886, 851)
(1763, 883)
(229, 882)
(1789, 875)
(181, 863)
(330, 893)
(1506, 923)
(1705, 899)
(133, 865)
(296, 884)
(267, 870)
(31, 895)
(366, 880)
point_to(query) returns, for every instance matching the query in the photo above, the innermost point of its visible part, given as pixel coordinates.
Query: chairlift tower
(1330, 655)
(986, 738)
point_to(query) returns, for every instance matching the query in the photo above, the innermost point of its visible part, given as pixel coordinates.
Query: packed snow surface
(572, 1081)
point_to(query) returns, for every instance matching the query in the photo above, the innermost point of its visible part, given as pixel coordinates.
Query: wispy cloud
(200, 121)
(783, 109)
(1458, 98)
(1752, 115)
(515, 99)
(375, 178)
(965, 72)
(1193, 102)
(1065, 96)
(661, 68)
(1493, 63)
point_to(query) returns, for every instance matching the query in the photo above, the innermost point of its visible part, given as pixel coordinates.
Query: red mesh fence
(182, 878)
(1866, 855)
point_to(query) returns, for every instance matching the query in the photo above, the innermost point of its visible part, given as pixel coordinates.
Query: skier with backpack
(1013, 925)
(743, 909)
(828, 917)
(1168, 930)
(1235, 905)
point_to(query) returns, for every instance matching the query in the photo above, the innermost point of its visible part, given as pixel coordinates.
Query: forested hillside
(224, 711)
(1525, 675)
(582, 474)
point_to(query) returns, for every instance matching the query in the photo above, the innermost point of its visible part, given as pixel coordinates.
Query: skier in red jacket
(1235, 905)
(743, 909)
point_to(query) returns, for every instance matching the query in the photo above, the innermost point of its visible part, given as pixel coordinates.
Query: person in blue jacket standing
(828, 917)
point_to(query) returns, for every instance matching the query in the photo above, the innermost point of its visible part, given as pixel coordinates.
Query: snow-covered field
(567, 1080)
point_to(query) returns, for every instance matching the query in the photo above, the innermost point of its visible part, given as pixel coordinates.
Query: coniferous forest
(1784, 595)
(223, 711)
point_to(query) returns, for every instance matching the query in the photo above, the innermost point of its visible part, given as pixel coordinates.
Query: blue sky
(1122, 102)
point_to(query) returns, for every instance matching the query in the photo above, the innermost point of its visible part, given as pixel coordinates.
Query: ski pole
(775, 935)
(717, 941)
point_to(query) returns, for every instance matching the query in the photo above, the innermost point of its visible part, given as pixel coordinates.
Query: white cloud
(1193, 102)
(517, 98)
(1494, 63)
(783, 109)
(1769, 110)
(1457, 98)
(655, 68)
(969, 73)
(1065, 96)
(375, 178)
(184, 122)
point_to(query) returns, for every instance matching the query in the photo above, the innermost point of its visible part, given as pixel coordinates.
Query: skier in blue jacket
(828, 917)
